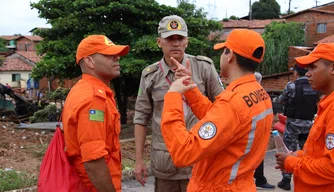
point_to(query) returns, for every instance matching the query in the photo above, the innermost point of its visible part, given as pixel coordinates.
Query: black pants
(260, 179)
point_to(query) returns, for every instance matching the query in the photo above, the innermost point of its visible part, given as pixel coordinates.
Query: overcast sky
(16, 16)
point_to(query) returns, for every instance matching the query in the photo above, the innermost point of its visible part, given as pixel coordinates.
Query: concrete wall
(6, 77)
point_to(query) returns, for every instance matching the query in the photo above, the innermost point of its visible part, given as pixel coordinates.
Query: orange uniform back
(229, 141)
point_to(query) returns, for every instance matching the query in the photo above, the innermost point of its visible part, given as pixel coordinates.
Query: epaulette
(203, 58)
(100, 92)
(150, 69)
(228, 95)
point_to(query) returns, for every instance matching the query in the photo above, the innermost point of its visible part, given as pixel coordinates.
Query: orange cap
(321, 51)
(99, 44)
(243, 42)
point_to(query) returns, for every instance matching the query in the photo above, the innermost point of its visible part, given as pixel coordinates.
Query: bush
(49, 113)
(10, 180)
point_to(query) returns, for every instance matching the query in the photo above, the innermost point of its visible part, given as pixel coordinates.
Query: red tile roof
(15, 64)
(9, 37)
(307, 10)
(31, 55)
(30, 37)
(252, 24)
(329, 39)
(33, 38)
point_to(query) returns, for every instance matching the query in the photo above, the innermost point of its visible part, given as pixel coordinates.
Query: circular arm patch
(330, 141)
(207, 131)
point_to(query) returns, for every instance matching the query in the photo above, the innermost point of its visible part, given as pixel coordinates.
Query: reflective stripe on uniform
(235, 167)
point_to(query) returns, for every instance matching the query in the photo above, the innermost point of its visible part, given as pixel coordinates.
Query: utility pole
(250, 9)
(289, 7)
(316, 3)
(212, 9)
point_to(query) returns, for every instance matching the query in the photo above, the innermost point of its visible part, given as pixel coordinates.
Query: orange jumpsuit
(91, 128)
(229, 141)
(313, 167)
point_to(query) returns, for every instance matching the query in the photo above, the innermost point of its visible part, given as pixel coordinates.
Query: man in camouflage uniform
(154, 84)
(300, 105)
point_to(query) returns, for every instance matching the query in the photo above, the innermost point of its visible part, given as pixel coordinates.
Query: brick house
(329, 39)
(255, 25)
(318, 22)
(22, 43)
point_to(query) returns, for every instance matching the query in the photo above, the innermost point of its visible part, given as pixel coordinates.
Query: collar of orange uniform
(241, 80)
(97, 82)
(327, 100)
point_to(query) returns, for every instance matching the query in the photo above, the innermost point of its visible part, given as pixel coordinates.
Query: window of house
(28, 46)
(16, 77)
(321, 28)
(21, 48)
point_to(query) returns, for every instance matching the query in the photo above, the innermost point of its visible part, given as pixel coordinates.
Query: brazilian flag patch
(96, 115)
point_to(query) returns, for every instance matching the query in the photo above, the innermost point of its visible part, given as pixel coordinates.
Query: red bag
(56, 173)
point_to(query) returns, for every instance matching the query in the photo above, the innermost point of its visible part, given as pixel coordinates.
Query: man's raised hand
(181, 71)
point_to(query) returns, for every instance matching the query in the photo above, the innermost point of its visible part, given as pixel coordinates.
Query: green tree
(233, 17)
(266, 9)
(125, 22)
(3, 48)
(278, 37)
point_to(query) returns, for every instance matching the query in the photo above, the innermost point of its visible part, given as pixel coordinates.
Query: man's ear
(158, 42)
(332, 68)
(89, 62)
(230, 56)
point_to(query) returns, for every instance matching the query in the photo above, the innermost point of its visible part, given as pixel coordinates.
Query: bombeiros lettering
(255, 97)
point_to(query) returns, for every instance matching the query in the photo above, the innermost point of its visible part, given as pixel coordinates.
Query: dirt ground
(23, 150)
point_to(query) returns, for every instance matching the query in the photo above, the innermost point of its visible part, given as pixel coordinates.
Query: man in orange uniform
(313, 167)
(230, 140)
(90, 118)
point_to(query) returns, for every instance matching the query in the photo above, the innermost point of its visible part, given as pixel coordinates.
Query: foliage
(59, 94)
(278, 37)
(233, 17)
(124, 22)
(49, 113)
(3, 43)
(10, 180)
(266, 9)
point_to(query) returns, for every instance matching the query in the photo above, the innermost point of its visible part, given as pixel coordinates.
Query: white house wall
(6, 77)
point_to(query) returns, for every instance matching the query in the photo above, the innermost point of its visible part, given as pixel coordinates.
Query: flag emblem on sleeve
(96, 115)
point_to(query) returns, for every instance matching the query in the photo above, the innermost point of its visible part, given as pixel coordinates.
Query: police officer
(154, 84)
(300, 105)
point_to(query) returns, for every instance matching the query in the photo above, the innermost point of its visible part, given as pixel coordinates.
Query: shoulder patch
(207, 131)
(203, 58)
(330, 141)
(150, 69)
(96, 115)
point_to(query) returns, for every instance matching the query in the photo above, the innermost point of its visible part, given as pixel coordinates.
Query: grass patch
(37, 151)
(10, 180)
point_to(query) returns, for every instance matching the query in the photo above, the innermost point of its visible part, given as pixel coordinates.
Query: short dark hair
(327, 62)
(245, 63)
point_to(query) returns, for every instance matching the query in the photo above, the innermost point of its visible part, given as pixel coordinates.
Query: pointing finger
(176, 63)
(188, 64)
